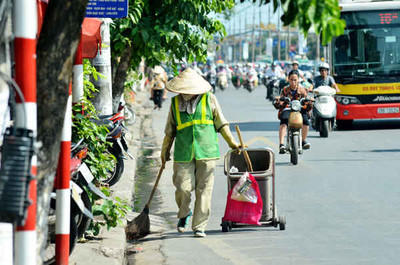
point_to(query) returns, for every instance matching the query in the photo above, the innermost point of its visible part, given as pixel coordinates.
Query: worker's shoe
(199, 233)
(183, 223)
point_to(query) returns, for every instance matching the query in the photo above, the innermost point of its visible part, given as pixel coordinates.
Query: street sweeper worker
(194, 119)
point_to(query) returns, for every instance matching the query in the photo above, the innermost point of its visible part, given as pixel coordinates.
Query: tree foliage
(167, 30)
(323, 15)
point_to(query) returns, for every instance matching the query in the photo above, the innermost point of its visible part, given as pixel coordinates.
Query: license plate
(388, 110)
(323, 100)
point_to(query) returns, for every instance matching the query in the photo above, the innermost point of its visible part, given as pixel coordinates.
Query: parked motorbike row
(82, 180)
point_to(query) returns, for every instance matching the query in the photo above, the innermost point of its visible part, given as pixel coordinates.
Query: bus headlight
(346, 100)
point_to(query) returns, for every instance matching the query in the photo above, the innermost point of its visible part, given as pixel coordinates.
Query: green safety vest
(196, 136)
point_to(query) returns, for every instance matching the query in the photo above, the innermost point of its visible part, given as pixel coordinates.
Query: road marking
(264, 140)
(226, 251)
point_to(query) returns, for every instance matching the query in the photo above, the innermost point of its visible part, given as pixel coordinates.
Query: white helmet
(323, 66)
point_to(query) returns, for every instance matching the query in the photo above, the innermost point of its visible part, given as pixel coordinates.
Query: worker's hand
(226, 133)
(165, 149)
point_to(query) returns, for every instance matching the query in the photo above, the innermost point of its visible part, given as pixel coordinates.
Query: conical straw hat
(189, 82)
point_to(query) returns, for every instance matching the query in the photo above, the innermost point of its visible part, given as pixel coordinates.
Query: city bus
(365, 61)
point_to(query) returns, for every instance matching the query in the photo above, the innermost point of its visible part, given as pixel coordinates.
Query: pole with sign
(107, 8)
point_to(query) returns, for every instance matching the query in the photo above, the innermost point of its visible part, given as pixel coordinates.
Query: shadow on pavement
(256, 126)
(377, 151)
(360, 125)
(210, 233)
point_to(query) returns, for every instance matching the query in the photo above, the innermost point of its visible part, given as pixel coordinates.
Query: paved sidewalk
(109, 246)
(149, 250)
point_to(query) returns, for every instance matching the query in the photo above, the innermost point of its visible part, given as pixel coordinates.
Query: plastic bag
(243, 190)
(244, 212)
(234, 170)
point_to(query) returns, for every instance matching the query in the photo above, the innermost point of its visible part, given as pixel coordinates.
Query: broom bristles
(138, 227)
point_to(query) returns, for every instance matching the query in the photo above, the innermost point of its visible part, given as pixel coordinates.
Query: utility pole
(252, 36)
(245, 35)
(287, 44)
(259, 32)
(103, 98)
(279, 34)
(318, 47)
(240, 37)
(232, 39)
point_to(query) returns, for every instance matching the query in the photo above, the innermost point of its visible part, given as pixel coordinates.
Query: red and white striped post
(63, 201)
(25, 30)
(77, 75)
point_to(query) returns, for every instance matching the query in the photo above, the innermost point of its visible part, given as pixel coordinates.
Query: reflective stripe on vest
(203, 120)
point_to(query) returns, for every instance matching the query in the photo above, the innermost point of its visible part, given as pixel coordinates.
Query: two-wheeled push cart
(263, 170)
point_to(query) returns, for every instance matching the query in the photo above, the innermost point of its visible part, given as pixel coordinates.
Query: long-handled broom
(140, 226)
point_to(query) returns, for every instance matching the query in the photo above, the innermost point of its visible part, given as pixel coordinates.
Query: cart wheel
(275, 222)
(224, 226)
(282, 222)
(230, 225)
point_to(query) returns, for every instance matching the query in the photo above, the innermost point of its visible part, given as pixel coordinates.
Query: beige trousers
(197, 175)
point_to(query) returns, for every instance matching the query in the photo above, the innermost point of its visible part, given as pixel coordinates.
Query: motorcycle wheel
(324, 130)
(114, 175)
(49, 254)
(82, 221)
(294, 152)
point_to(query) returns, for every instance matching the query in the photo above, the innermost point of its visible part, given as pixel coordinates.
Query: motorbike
(119, 147)
(293, 144)
(81, 206)
(128, 112)
(274, 87)
(212, 79)
(324, 111)
(249, 81)
(222, 80)
(237, 80)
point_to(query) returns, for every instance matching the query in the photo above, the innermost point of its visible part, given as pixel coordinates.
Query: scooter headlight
(296, 105)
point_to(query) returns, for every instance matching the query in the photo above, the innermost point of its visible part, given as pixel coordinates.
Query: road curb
(110, 245)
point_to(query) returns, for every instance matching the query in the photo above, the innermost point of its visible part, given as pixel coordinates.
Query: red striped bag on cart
(244, 212)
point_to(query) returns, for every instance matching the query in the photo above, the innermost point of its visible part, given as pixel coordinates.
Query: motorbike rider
(158, 79)
(237, 74)
(274, 70)
(251, 74)
(295, 66)
(294, 91)
(221, 73)
(271, 73)
(324, 79)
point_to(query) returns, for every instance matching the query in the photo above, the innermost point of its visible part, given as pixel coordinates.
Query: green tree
(163, 31)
